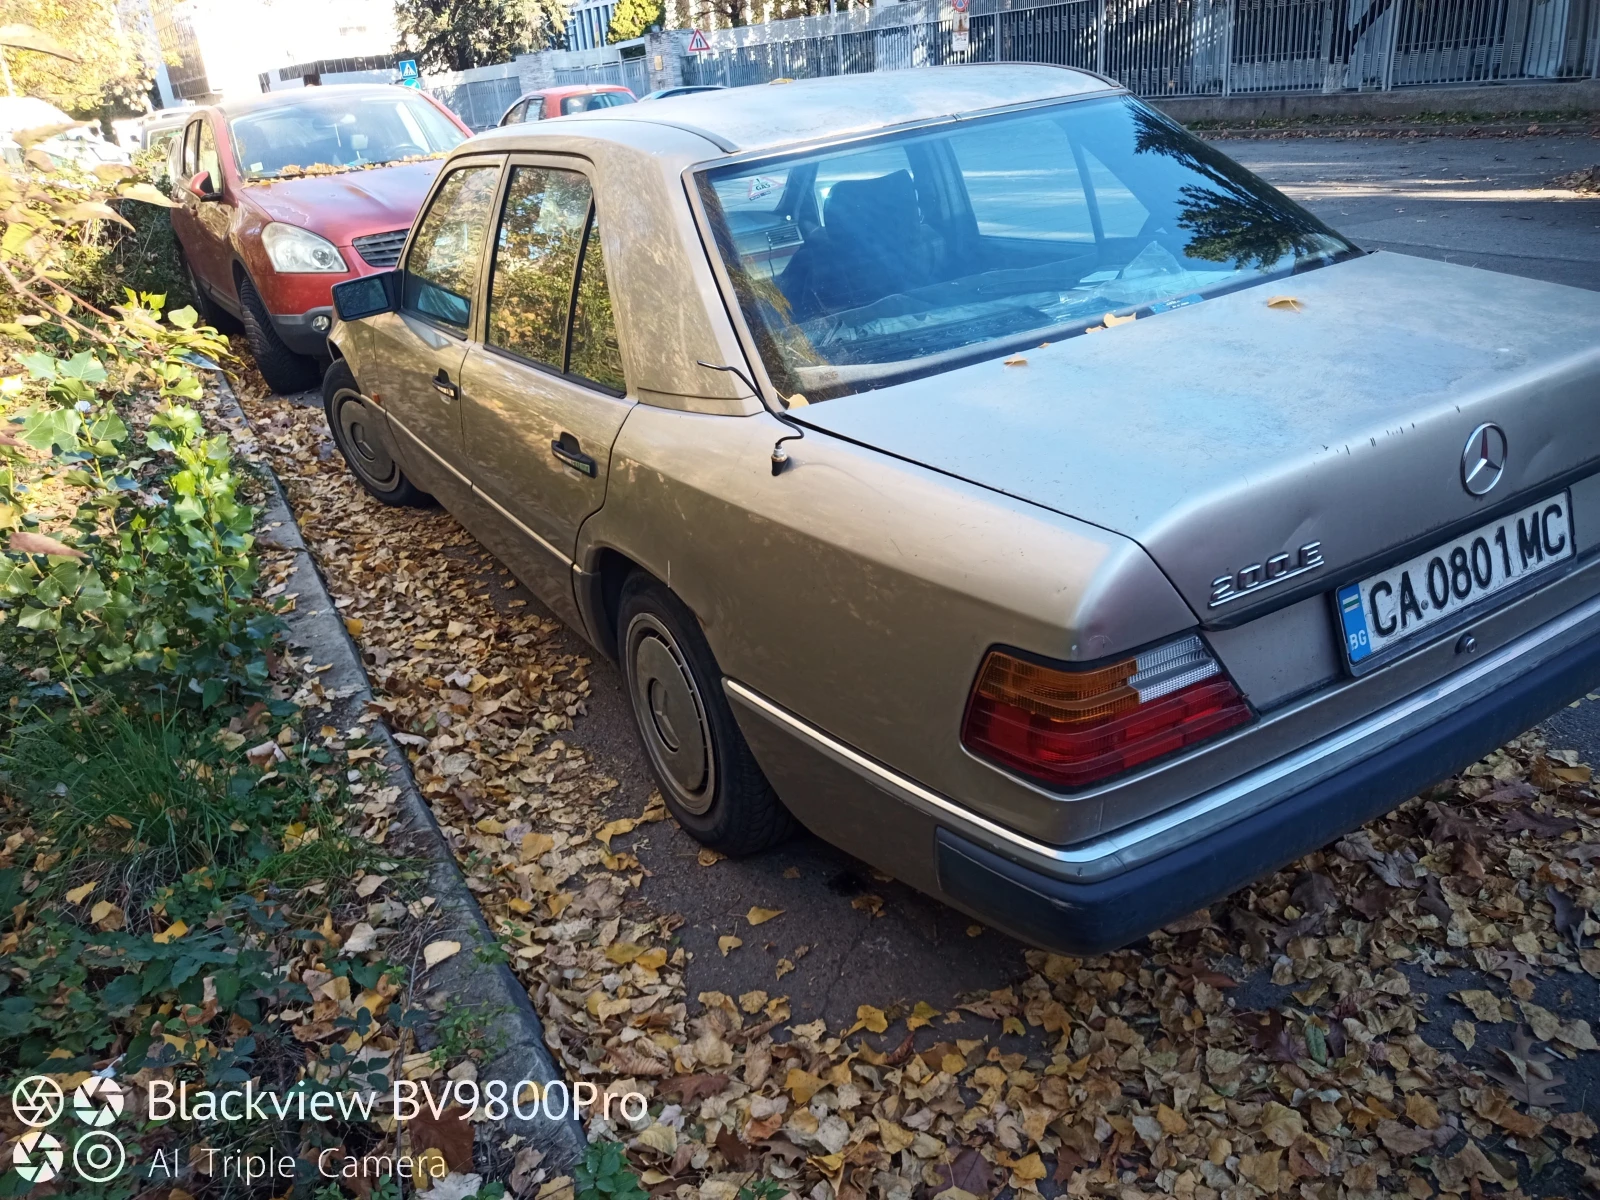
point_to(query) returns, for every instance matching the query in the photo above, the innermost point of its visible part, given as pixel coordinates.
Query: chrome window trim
(1118, 851)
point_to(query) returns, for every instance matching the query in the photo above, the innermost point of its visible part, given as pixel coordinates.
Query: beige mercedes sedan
(972, 466)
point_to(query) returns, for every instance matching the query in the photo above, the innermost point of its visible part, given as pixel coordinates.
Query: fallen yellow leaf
(535, 845)
(1016, 360)
(1111, 319)
(727, 943)
(79, 894)
(435, 953)
(1029, 1169)
(1287, 303)
(869, 1018)
(624, 952)
(802, 1085)
(709, 858)
(922, 1014)
(171, 933)
(760, 916)
(613, 828)
(354, 625)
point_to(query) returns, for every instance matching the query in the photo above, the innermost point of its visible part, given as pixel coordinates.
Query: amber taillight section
(1073, 728)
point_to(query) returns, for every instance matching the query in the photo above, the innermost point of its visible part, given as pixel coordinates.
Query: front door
(418, 351)
(545, 394)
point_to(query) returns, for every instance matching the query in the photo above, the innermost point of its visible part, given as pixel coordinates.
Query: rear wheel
(283, 369)
(707, 774)
(353, 425)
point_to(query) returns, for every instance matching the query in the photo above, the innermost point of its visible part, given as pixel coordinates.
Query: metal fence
(1195, 47)
(480, 96)
(631, 73)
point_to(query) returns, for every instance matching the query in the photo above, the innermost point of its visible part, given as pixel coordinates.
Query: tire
(211, 313)
(707, 774)
(349, 420)
(284, 370)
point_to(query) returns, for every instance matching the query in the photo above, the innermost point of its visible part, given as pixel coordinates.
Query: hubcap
(671, 714)
(367, 454)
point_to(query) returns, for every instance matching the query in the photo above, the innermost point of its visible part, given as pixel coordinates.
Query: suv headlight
(296, 251)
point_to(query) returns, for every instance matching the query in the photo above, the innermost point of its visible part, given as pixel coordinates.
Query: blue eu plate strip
(1357, 642)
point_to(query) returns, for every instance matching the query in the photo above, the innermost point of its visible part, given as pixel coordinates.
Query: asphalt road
(1483, 202)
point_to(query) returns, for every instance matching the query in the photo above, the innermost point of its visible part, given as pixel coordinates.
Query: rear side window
(549, 302)
(517, 114)
(441, 273)
(593, 100)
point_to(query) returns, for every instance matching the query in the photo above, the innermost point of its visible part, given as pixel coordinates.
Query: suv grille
(381, 249)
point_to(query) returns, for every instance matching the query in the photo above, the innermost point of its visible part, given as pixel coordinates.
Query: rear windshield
(326, 131)
(911, 253)
(589, 101)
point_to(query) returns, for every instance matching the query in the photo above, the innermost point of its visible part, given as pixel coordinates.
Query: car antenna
(780, 456)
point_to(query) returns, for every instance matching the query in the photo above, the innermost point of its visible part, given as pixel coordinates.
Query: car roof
(574, 89)
(289, 97)
(770, 116)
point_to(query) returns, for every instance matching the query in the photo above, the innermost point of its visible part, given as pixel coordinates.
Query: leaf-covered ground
(1402, 1014)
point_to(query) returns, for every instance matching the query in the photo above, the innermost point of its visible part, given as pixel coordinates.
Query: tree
(108, 72)
(456, 35)
(634, 18)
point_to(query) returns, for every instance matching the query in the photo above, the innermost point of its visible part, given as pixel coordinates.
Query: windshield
(329, 132)
(914, 252)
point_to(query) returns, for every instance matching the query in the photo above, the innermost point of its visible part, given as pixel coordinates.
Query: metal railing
(631, 73)
(480, 96)
(1163, 48)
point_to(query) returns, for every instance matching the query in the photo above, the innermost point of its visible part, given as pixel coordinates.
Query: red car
(288, 193)
(562, 101)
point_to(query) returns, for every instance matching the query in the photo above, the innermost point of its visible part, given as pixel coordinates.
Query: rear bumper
(1104, 893)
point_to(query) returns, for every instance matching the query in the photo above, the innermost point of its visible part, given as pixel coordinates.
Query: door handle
(567, 449)
(442, 385)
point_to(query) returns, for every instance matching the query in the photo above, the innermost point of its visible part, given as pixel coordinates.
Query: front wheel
(285, 371)
(353, 425)
(708, 776)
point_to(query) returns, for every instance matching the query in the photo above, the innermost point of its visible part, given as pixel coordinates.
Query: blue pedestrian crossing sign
(408, 73)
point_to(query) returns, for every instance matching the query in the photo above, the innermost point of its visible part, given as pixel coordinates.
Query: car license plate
(1404, 601)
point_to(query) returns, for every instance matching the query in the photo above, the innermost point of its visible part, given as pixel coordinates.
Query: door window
(548, 238)
(208, 160)
(190, 157)
(594, 354)
(441, 272)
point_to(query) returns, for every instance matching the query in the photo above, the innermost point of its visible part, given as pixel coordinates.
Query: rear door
(545, 394)
(418, 351)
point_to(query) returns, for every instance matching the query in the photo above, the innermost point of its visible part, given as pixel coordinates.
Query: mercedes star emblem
(1484, 459)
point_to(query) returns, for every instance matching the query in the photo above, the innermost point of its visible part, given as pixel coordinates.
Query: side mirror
(201, 187)
(367, 296)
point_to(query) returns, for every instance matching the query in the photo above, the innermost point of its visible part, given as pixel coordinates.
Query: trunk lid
(1224, 433)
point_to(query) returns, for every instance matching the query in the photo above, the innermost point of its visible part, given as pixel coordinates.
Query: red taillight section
(1073, 728)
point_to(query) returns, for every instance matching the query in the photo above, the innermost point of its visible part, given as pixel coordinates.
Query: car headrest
(884, 208)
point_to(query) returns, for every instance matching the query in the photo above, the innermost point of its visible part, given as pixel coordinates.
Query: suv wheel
(352, 423)
(707, 774)
(284, 370)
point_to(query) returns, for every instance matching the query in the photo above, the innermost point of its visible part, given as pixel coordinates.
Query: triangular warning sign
(697, 42)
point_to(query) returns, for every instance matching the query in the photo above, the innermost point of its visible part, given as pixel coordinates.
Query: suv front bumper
(1108, 891)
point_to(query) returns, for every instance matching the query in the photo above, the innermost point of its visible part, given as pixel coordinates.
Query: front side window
(326, 132)
(441, 273)
(548, 298)
(208, 160)
(916, 252)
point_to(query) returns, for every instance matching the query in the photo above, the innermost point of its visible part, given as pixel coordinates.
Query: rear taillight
(1073, 728)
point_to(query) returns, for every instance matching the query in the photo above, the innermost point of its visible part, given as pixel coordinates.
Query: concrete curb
(466, 979)
(1399, 129)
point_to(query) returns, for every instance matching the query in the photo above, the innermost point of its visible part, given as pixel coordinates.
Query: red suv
(286, 194)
